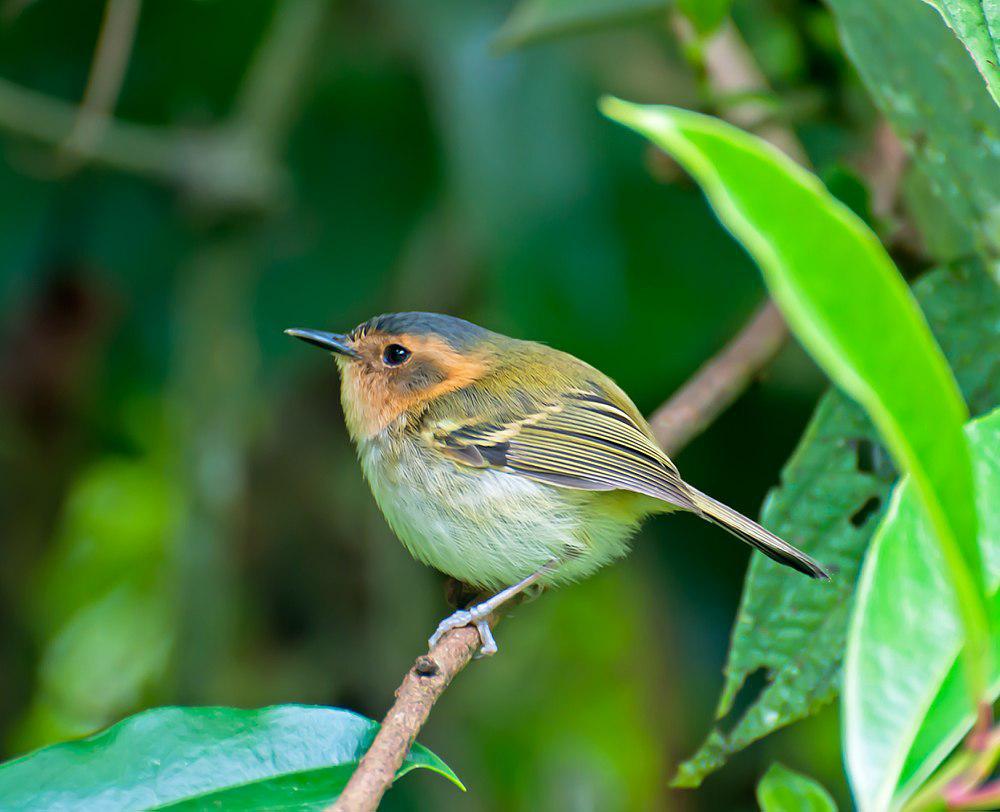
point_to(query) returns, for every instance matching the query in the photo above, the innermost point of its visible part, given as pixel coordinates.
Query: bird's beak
(334, 342)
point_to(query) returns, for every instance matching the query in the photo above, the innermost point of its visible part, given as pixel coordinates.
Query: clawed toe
(467, 617)
(489, 647)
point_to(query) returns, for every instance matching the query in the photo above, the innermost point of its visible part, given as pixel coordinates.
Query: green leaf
(831, 493)
(927, 87)
(102, 607)
(705, 15)
(782, 790)
(282, 757)
(848, 305)
(535, 20)
(977, 25)
(906, 637)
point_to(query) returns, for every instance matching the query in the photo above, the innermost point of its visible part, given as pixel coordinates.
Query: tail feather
(753, 534)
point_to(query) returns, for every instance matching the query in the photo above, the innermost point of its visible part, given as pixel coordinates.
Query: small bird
(504, 463)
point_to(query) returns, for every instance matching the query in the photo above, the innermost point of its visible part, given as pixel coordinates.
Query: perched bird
(506, 463)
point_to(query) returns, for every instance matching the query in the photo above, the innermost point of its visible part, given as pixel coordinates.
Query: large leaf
(847, 303)
(906, 636)
(924, 82)
(534, 20)
(282, 757)
(783, 790)
(977, 24)
(832, 491)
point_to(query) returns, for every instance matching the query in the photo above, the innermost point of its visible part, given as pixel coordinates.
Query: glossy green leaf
(832, 492)
(535, 20)
(906, 636)
(923, 81)
(783, 790)
(283, 757)
(977, 24)
(848, 305)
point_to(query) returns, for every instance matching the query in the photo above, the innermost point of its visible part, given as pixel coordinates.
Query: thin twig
(732, 71)
(720, 381)
(274, 85)
(107, 74)
(422, 685)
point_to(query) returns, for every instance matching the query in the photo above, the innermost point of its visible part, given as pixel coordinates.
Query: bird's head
(393, 364)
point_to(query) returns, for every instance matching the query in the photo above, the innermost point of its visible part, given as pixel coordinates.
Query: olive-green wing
(579, 439)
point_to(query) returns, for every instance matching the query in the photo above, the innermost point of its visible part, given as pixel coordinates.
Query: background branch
(111, 56)
(720, 381)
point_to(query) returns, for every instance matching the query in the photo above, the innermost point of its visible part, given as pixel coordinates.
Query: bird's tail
(753, 534)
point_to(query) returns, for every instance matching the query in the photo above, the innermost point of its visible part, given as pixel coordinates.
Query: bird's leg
(478, 615)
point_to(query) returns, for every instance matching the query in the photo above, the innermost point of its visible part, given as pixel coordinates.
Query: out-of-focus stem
(114, 47)
(732, 71)
(722, 379)
(132, 147)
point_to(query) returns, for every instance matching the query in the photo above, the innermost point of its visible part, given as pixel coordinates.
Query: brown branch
(421, 687)
(691, 409)
(732, 72)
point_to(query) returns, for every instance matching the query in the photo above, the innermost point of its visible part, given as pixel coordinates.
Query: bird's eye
(394, 355)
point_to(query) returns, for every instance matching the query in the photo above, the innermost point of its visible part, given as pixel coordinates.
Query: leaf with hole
(831, 494)
(279, 758)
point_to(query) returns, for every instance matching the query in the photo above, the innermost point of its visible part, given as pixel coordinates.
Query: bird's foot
(473, 616)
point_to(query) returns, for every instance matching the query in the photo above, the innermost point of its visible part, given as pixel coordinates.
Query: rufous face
(394, 374)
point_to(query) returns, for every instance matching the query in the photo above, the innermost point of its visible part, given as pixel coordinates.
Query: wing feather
(580, 439)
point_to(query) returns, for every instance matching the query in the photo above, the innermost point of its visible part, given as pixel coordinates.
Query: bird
(505, 463)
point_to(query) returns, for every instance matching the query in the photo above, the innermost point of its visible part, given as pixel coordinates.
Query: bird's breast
(487, 527)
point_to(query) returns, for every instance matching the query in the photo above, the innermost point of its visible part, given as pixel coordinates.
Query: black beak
(334, 342)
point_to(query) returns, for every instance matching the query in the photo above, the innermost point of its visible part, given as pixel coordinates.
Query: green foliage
(103, 612)
(850, 307)
(977, 24)
(282, 757)
(832, 491)
(924, 82)
(783, 790)
(233, 559)
(705, 15)
(903, 680)
(535, 20)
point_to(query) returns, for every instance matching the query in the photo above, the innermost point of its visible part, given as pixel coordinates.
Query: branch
(691, 409)
(732, 72)
(111, 56)
(232, 164)
(131, 147)
(422, 685)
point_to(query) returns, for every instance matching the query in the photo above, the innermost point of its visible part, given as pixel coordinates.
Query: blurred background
(182, 519)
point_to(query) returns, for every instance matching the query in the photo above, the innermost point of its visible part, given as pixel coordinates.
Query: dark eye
(394, 355)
